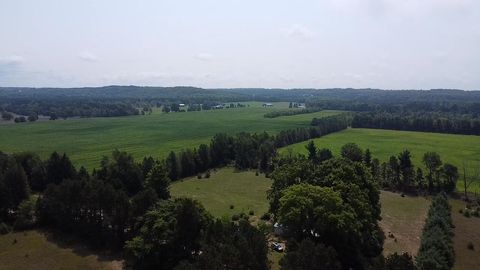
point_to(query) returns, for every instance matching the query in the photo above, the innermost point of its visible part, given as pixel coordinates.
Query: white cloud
(88, 56)
(204, 57)
(11, 60)
(299, 31)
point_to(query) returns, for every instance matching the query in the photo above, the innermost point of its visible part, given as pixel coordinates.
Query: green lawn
(36, 250)
(454, 149)
(87, 140)
(225, 187)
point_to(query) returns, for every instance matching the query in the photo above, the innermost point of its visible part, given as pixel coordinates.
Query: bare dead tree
(468, 181)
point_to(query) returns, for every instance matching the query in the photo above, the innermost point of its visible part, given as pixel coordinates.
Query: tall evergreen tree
(172, 165)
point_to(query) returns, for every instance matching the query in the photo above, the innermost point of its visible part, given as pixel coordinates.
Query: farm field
(453, 149)
(225, 187)
(35, 250)
(404, 218)
(87, 140)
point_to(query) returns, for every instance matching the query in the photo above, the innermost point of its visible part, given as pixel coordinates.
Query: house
(301, 106)
(181, 105)
(267, 105)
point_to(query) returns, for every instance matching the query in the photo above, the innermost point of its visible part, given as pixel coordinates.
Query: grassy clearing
(404, 217)
(225, 187)
(466, 230)
(87, 140)
(383, 143)
(36, 250)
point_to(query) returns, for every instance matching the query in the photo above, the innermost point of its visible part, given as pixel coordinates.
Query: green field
(87, 140)
(37, 250)
(225, 187)
(454, 149)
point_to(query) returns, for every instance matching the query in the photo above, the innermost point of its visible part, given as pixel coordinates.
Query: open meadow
(402, 222)
(226, 187)
(452, 148)
(35, 249)
(87, 140)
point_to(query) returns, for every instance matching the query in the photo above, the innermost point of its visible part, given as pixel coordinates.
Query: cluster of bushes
(471, 210)
(436, 248)
(290, 112)
(421, 121)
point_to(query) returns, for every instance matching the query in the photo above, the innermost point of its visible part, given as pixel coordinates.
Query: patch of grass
(453, 149)
(274, 258)
(34, 250)
(466, 232)
(226, 188)
(87, 140)
(402, 222)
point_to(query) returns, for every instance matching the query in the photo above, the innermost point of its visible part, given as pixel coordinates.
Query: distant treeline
(124, 100)
(63, 108)
(436, 247)
(427, 122)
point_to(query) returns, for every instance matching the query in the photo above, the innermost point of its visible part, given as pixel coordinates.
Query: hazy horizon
(384, 44)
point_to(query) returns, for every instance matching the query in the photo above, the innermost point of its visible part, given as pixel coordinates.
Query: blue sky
(390, 44)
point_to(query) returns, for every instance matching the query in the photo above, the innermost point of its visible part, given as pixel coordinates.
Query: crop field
(87, 140)
(36, 250)
(454, 149)
(226, 187)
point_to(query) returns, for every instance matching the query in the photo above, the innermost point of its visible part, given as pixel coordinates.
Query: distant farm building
(267, 105)
(181, 105)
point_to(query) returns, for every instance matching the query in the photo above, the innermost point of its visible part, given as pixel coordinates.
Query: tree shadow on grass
(80, 247)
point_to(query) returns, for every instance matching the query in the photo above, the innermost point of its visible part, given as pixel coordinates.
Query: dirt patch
(467, 230)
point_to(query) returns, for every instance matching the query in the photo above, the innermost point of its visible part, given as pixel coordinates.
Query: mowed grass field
(403, 219)
(454, 149)
(225, 187)
(87, 140)
(35, 250)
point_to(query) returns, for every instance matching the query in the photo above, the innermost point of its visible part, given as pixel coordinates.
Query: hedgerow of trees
(436, 247)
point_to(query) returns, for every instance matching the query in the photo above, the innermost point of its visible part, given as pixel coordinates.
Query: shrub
(251, 213)
(199, 176)
(26, 214)
(266, 216)
(232, 206)
(466, 213)
(207, 174)
(4, 229)
(235, 217)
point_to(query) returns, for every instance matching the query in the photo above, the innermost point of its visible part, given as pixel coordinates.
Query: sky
(388, 44)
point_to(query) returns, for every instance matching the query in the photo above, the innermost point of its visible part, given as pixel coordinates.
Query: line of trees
(436, 247)
(245, 150)
(290, 112)
(427, 122)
